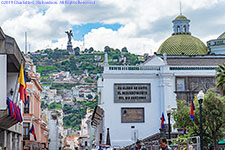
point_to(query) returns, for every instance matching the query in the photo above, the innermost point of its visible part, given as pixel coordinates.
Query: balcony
(10, 60)
(5, 120)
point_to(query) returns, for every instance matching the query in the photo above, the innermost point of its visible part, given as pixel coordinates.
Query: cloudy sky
(140, 25)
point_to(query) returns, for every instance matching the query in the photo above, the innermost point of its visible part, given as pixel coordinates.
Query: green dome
(181, 17)
(182, 43)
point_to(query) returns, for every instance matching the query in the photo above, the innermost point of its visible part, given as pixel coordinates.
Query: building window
(178, 29)
(26, 107)
(100, 138)
(26, 133)
(184, 28)
(132, 115)
(180, 84)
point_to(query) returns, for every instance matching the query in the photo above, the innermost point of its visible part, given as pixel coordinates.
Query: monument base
(70, 49)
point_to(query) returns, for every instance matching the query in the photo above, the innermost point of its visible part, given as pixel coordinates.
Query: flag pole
(15, 90)
(17, 98)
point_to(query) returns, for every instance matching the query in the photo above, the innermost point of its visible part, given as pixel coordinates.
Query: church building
(133, 98)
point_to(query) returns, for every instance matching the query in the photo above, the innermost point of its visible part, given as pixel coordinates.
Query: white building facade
(134, 97)
(217, 46)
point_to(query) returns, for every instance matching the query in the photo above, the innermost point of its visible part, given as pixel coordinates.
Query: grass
(55, 106)
(88, 80)
(46, 69)
(45, 84)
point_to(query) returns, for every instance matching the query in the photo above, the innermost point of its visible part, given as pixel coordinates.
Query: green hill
(89, 61)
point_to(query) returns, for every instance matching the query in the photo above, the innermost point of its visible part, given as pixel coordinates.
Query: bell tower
(181, 25)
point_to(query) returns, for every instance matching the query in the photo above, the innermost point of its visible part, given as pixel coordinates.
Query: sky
(139, 25)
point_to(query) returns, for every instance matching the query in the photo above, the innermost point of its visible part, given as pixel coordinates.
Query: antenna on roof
(83, 43)
(180, 8)
(25, 42)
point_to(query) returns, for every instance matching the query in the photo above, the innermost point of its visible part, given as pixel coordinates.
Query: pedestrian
(163, 145)
(138, 145)
(100, 148)
(143, 146)
(5, 148)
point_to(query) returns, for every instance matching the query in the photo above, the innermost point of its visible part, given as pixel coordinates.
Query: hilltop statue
(69, 34)
(69, 43)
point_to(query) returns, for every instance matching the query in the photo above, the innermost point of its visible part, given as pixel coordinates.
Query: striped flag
(33, 132)
(21, 117)
(10, 107)
(21, 80)
(162, 121)
(192, 115)
(25, 89)
(14, 110)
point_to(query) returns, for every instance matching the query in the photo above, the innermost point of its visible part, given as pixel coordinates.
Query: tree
(77, 51)
(124, 49)
(85, 50)
(89, 96)
(117, 50)
(213, 118)
(107, 49)
(214, 106)
(91, 49)
(220, 78)
(116, 57)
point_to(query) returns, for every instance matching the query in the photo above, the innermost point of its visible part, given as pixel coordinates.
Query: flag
(21, 80)
(25, 89)
(192, 115)
(14, 110)
(10, 107)
(162, 121)
(17, 114)
(33, 132)
(21, 117)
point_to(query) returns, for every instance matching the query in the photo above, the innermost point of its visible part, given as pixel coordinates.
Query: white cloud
(145, 22)
(117, 40)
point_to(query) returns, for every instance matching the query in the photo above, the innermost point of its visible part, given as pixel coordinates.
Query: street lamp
(168, 111)
(200, 97)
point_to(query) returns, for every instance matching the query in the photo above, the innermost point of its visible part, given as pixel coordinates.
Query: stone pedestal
(70, 48)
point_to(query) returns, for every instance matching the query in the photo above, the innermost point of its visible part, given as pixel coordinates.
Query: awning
(97, 115)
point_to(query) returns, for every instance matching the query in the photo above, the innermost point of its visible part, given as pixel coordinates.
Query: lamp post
(168, 111)
(200, 97)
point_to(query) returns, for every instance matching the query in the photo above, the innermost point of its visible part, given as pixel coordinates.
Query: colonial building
(133, 98)
(217, 46)
(32, 112)
(85, 139)
(11, 59)
(56, 132)
(181, 42)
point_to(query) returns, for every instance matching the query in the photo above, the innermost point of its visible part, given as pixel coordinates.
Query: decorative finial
(180, 8)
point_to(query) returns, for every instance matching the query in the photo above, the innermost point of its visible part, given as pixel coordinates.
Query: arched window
(184, 28)
(178, 29)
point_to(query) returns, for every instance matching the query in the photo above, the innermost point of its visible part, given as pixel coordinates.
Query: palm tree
(220, 78)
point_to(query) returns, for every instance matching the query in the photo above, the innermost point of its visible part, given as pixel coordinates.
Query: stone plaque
(132, 92)
(132, 115)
